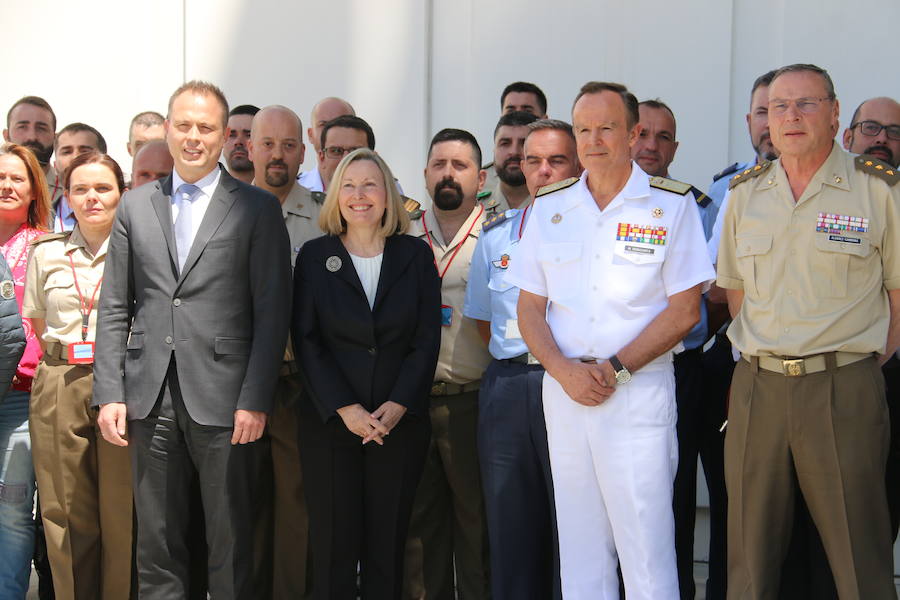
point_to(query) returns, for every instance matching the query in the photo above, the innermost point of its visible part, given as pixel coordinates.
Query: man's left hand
(248, 426)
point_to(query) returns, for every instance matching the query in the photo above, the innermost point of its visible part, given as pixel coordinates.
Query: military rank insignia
(833, 223)
(502, 263)
(644, 234)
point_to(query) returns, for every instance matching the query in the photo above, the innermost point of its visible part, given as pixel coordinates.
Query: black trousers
(701, 388)
(360, 499)
(167, 449)
(517, 484)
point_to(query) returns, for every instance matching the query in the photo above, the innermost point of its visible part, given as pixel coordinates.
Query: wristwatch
(623, 375)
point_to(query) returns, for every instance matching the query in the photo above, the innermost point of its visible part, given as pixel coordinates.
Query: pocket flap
(751, 245)
(844, 244)
(559, 253)
(226, 345)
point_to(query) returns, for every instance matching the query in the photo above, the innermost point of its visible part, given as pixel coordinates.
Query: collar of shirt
(434, 229)
(207, 183)
(636, 188)
(833, 172)
(298, 202)
(65, 217)
(76, 240)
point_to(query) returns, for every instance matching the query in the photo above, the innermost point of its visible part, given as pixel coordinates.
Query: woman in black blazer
(366, 330)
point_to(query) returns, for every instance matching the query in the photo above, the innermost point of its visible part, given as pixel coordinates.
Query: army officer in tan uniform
(809, 259)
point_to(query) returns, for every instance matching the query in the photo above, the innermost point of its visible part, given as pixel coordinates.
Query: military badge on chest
(641, 243)
(503, 263)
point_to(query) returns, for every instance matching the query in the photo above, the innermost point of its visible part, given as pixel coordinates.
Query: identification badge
(81, 353)
(446, 315)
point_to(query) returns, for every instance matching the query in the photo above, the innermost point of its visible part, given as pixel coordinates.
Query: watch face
(623, 376)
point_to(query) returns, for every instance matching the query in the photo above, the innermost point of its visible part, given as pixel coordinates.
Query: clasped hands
(372, 427)
(587, 383)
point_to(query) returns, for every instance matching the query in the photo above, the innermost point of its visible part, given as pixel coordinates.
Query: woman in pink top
(24, 214)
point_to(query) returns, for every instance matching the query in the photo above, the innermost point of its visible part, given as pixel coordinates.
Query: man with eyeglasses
(809, 260)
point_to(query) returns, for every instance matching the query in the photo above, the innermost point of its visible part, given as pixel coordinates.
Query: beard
(241, 164)
(510, 173)
(768, 149)
(879, 150)
(42, 153)
(448, 194)
(277, 180)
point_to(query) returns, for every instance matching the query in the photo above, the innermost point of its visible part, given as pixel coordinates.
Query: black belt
(523, 359)
(443, 388)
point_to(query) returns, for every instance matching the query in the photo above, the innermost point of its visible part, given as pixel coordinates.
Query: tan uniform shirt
(50, 292)
(815, 272)
(301, 217)
(464, 355)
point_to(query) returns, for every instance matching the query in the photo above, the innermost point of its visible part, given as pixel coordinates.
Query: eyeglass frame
(887, 129)
(796, 102)
(328, 151)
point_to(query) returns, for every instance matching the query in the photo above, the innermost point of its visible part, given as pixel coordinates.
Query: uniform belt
(442, 388)
(288, 368)
(57, 351)
(797, 367)
(523, 359)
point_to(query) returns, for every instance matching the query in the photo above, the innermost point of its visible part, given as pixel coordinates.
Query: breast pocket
(636, 276)
(836, 275)
(563, 268)
(754, 263)
(497, 282)
(60, 293)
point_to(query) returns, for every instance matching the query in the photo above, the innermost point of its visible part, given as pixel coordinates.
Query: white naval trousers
(613, 470)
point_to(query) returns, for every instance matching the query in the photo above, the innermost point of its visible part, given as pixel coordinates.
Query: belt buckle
(532, 360)
(795, 367)
(439, 389)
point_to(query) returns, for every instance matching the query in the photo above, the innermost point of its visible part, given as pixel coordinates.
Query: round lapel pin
(556, 218)
(657, 213)
(333, 263)
(7, 289)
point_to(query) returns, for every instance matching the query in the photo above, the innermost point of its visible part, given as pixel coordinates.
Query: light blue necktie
(184, 235)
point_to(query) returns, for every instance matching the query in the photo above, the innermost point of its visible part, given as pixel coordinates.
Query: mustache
(277, 162)
(445, 183)
(881, 149)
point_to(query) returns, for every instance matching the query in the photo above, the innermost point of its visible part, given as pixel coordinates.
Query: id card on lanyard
(446, 309)
(82, 353)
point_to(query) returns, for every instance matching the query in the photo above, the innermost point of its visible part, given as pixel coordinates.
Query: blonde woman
(366, 328)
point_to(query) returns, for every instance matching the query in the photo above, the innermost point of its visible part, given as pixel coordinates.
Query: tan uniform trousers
(448, 523)
(85, 487)
(290, 521)
(825, 434)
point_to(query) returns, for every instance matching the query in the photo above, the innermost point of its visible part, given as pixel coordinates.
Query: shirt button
(596, 256)
(592, 319)
(595, 289)
(787, 329)
(176, 302)
(169, 339)
(557, 259)
(372, 351)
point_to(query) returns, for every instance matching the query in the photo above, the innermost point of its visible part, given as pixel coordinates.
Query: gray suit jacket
(225, 317)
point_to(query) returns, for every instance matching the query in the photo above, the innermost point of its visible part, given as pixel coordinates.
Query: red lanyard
(85, 309)
(458, 248)
(522, 224)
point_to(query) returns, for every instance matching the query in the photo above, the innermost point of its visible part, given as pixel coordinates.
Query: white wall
(411, 67)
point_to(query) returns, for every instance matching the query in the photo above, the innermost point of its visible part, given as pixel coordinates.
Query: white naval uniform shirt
(604, 291)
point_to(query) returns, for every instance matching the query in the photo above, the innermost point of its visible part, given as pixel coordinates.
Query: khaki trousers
(826, 435)
(85, 487)
(290, 535)
(448, 521)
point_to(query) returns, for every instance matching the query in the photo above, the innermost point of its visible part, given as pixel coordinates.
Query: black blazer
(348, 353)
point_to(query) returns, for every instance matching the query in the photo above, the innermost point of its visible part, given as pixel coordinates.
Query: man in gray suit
(194, 315)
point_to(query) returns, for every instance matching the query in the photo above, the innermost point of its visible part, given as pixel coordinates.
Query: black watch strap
(616, 363)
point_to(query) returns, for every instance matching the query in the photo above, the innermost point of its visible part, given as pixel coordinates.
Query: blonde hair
(395, 219)
(39, 210)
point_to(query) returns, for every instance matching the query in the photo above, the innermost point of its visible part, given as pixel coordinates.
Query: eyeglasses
(873, 128)
(339, 151)
(807, 106)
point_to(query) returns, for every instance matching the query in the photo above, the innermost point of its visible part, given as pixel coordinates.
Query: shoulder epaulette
(702, 199)
(496, 218)
(555, 187)
(63, 235)
(879, 168)
(488, 202)
(726, 171)
(748, 174)
(413, 208)
(318, 197)
(670, 185)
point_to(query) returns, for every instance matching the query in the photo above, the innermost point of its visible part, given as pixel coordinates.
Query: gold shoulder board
(555, 187)
(670, 185)
(873, 166)
(748, 174)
